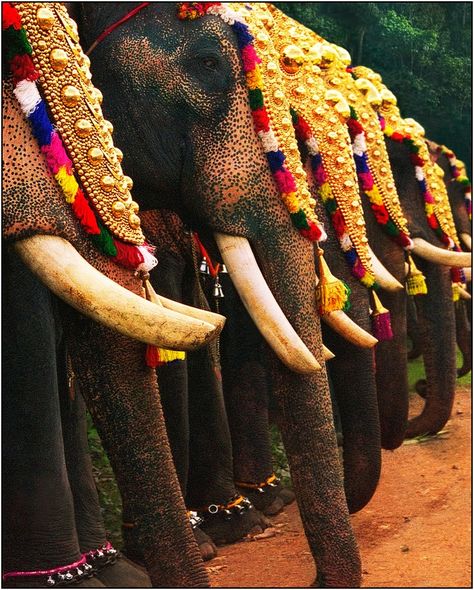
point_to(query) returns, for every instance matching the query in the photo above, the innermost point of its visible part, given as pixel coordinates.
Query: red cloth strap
(108, 30)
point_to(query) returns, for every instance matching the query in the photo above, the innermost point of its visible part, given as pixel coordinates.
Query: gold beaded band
(74, 102)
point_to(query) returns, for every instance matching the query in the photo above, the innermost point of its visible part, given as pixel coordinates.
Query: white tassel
(149, 261)
(28, 96)
(269, 141)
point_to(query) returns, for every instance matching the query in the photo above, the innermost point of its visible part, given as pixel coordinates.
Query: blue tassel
(41, 125)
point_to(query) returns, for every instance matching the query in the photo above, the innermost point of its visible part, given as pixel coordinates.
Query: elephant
(434, 309)
(43, 544)
(191, 135)
(458, 189)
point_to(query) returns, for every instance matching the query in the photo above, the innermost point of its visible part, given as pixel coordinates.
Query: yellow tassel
(416, 284)
(331, 293)
(456, 295)
(155, 357)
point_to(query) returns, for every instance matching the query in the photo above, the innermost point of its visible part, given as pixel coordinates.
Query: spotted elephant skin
(193, 153)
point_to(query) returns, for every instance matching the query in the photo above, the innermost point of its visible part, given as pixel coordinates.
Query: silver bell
(223, 269)
(204, 267)
(50, 581)
(217, 292)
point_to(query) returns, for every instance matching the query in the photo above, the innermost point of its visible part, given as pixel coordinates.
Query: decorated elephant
(430, 228)
(50, 535)
(191, 72)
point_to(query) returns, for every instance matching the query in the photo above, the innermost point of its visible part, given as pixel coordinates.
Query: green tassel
(15, 43)
(299, 219)
(255, 99)
(104, 241)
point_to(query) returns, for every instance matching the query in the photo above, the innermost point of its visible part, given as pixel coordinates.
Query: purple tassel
(381, 326)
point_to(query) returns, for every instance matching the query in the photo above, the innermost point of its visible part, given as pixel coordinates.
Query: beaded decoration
(46, 51)
(319, 127)
(370, 154)
(271, 122)
(458, 173)
(410, 133)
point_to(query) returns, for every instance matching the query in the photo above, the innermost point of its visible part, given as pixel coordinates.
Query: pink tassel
(56, 156)
(366, 180)
(285, 181)
(382, 327)
(249, 58)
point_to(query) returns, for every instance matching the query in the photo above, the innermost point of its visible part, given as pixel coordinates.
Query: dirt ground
(415, 532)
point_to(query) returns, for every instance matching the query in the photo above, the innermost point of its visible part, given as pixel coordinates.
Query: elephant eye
(210, 62)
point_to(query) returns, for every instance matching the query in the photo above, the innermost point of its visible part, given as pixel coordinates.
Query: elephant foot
(287, 495)
(232, 522)
(270, 497)
(124, 574)
(206, 546)
(420, 388)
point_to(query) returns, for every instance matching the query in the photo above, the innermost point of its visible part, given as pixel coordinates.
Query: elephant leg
(463, 337)
(167, 280)
(437, 332)
(39, 531)
(113, 570)
(246, 394)
(122, 396)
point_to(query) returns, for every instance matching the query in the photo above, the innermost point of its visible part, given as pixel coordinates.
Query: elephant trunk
(140, 456)
(304, 414)
(437, 331)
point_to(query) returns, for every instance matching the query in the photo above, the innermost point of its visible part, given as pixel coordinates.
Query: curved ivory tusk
(386, 280)
(327, 354)
(204, 315)
(61, 268)
(467, 239)
(468, 273)
(440, 256)
(463, 294)
(348, 329)
(262, 306)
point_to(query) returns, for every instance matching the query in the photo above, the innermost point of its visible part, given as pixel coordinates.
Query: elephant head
(182, 106)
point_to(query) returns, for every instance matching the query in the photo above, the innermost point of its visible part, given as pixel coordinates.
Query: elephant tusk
(467, 239)
(386, 280)
(63, 270)
(216, 319)
(327, 354)
(348, 329)
(262, 306)
(463, 294)
(431, 253)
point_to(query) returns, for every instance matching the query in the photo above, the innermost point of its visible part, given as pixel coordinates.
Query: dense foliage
(421, 49)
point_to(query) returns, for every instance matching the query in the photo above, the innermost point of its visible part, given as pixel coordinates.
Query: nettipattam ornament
(319, 126)
(75, 106)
